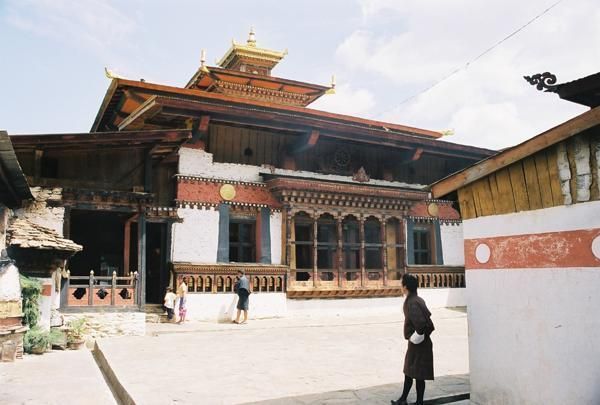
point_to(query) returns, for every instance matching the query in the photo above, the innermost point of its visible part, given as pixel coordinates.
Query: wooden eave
(585, 91)
(119, 88)
(511, 155)
(240, 114)
(203, 80)
(162, 142)
(13, 183)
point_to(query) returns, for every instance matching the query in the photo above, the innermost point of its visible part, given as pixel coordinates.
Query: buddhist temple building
(234, 171)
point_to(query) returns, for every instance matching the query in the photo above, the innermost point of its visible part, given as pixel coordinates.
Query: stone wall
(107, 324)
(453, 250)
(40, 213)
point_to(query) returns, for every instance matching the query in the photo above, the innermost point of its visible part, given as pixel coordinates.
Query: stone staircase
(155, 313)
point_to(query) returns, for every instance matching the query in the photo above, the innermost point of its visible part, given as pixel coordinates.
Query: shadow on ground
(444, 390)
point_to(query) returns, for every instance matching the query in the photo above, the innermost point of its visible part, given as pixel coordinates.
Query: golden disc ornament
(433, 209)
(227, 192)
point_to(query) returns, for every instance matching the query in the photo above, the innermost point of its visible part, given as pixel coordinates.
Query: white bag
(416, 338)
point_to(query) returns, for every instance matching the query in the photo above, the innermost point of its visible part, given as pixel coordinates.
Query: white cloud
(347, 100)
(489, 103)
(93, 25)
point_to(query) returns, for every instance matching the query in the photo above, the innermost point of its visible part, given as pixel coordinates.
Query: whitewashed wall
(453, 250)
(434, 298)
(276, 241)
(222, 307)
(197, 162)
(10, 286)
(533, 332)
(196, 238)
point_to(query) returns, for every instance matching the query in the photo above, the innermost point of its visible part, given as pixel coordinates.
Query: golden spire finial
(251, 38)
(331, 89)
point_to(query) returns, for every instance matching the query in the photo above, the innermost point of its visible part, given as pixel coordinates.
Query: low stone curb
(119, 392)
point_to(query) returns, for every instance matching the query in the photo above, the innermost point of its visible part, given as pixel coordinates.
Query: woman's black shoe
(399, 402)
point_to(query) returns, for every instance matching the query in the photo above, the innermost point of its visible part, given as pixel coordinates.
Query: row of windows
(242, 243)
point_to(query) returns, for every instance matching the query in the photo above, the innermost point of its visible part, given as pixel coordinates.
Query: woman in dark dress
(242, 289)
(418, 363)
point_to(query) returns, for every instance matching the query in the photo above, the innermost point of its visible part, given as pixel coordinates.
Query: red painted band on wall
(542, 250)
(208, 192)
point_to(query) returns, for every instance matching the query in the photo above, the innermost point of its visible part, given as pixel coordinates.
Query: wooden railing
(105, 291)
(221, 278)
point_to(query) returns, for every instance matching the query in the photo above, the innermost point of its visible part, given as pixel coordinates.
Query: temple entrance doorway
(157, 272)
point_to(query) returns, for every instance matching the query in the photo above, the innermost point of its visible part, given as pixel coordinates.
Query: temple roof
(251, 58)
(245, 71)
(13, 184)
(260, 87)
(135, 105)
(25, 234)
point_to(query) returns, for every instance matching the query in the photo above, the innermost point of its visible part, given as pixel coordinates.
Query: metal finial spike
(202, 58)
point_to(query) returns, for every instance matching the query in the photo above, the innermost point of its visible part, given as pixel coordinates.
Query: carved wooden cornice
(261, 93)
(302, 194)
(339, 293)
(230, 268)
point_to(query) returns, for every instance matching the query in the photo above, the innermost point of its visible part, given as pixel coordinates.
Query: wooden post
(134, 283)
(288, 237)
(384, 248)
(361, 232)
(168, 243)
(148, 173)
(315, 250)
(113, 288)
(340, 251)
(141, 285)
(91, 288)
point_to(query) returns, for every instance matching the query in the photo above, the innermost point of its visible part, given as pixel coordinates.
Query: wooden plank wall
(228, 144)
(529, 184)
(114, 169)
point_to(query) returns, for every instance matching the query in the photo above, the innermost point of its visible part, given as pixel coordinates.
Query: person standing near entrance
(418, 363)
(242, 289)
(169, 303)
(182, 295)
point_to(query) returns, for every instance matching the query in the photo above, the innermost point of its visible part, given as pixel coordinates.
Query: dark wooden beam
(147, 110)
(134, 95)
(306, 142)
(417, 154)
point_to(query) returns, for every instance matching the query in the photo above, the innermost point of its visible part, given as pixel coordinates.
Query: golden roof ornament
(251, 38)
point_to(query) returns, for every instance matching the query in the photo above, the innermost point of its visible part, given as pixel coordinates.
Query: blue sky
(382, 51)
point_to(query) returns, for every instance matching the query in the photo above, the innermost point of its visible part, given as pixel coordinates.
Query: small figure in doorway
(169, 303)
(242, 289)
(418, 363)
(181, 294)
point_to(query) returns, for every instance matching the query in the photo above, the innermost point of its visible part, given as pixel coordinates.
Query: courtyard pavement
(68, 377)
(295, 360)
